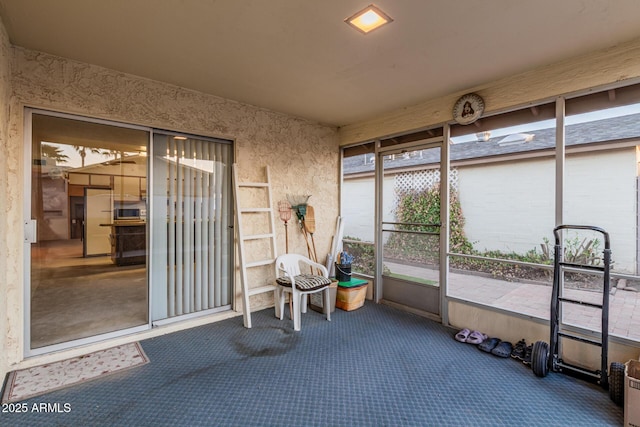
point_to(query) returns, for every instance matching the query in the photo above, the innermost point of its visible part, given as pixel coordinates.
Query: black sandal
(489, 344)
(527, 355)
(503, 349)
(519, 350)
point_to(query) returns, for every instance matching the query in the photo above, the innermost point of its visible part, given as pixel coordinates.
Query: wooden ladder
(265, 259)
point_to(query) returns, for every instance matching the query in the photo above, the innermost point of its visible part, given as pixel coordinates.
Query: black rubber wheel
(540, 359)
(616, 383)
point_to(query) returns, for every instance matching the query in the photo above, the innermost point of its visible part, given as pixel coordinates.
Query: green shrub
(585, 252)
(424, 207)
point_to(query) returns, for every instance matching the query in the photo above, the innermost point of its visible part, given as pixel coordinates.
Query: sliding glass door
(125, 227)
(86, 266)
(192, 234)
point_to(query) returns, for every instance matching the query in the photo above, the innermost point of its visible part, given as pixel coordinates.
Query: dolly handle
(556, 232)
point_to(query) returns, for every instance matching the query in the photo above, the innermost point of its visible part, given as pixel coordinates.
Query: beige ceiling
(300, 58)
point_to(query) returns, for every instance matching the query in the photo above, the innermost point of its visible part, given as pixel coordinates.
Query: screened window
(505, 192)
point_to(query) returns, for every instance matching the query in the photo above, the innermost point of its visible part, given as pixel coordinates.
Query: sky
(75, 160)
(546, 124)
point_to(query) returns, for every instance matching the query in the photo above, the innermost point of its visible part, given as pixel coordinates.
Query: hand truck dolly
(546, 357)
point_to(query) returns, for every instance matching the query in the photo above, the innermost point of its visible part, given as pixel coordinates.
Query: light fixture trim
(368, 19)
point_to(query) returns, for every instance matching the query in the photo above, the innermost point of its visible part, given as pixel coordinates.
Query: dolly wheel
(540, 358)
(616, 383)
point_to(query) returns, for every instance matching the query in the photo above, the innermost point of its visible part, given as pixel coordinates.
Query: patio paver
(534, 300)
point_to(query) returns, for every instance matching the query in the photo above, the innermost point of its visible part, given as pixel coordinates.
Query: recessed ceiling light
(368, 19)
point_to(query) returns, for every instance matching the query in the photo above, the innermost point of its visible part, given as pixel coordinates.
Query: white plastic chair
(290, 279)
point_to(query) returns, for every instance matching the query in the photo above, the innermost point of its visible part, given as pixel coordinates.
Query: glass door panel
(84, 279)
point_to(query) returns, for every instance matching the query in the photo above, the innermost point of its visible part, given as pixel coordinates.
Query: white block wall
(358, 206)
(508, 206)
(511, 206)
(603, 191)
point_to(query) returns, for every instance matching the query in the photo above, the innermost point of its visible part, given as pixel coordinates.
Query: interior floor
(73, 297)
(375, 366)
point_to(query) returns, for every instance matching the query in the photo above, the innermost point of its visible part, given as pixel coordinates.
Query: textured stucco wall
(7, 194)
(303, 156)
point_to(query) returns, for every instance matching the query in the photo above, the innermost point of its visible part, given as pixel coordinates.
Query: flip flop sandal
(489, 344)
(463, 335)
(476, 338)
(503, 349)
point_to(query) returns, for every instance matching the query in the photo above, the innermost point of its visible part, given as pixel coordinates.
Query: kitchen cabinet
(128, 242)
(126, 188)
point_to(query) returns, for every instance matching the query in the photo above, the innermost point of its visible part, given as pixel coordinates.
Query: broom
(310, 227)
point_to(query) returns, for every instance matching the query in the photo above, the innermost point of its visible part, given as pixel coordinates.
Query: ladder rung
(575, 301)
(251, 210)
(262, 289)
(258, 236)
(259, 263)
(253, 184)
(581, 339)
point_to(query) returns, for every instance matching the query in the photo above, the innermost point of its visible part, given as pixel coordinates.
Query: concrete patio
(534, 300)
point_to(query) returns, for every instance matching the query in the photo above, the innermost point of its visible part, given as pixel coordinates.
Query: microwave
(126, 213)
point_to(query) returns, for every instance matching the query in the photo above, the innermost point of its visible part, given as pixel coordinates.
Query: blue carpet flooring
(376, 366)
